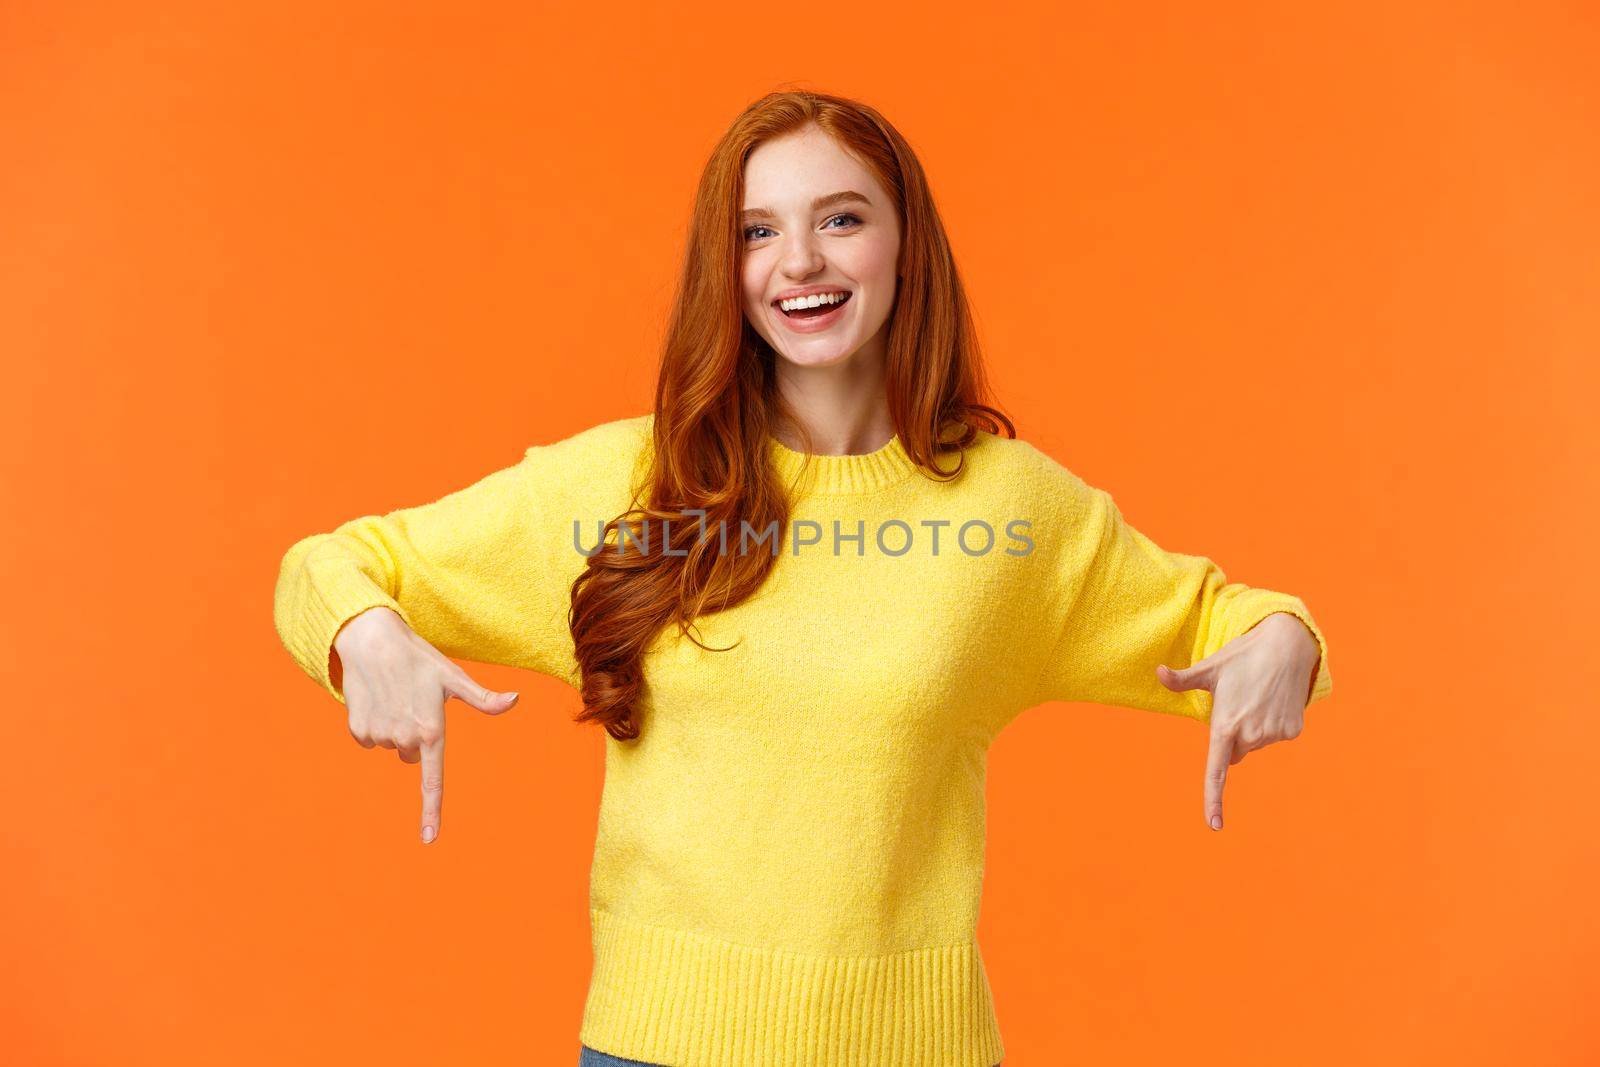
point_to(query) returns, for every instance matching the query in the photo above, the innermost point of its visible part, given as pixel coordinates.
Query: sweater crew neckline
(847, 473)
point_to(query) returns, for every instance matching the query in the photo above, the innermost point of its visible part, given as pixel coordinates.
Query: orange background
(1311, 292)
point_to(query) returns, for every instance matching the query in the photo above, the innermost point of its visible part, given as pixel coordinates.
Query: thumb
(485, 700)
(1198, 675)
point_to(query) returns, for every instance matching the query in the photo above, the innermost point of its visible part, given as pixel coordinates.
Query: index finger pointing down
(1218, 756)
(432, 786)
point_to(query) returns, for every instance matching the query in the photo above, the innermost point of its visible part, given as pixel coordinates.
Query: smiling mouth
(816, 312)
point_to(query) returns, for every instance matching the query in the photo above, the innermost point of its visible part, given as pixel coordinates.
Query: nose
(802, 255)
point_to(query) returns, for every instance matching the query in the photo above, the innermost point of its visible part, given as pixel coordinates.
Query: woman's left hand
(1259, 684)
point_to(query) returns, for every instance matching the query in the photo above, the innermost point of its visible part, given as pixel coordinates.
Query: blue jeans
(588, 1057)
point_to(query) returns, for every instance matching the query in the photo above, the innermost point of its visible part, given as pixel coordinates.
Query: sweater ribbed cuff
(1257, 605)
(333, 600)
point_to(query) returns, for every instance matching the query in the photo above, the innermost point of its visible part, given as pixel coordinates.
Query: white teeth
(811, 301)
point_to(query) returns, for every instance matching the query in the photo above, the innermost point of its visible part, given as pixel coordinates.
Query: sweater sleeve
(1120, 605)
(475, 574)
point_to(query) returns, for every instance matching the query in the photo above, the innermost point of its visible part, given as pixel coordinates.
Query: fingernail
(1216, 822)
(427, 835)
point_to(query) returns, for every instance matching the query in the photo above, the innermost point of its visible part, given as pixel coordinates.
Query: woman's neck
(843, 407)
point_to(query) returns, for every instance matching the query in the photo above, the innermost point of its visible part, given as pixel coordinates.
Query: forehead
(788, 171)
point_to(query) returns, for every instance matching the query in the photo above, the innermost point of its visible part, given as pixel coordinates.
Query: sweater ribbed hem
(675, 997)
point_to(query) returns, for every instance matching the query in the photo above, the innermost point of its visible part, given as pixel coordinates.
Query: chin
(819, 356)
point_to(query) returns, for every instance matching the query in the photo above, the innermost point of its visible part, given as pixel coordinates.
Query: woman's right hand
(395, 685)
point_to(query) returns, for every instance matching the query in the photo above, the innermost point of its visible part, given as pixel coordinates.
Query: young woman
(802, 595)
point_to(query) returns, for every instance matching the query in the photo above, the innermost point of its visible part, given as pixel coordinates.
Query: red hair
(717, 402)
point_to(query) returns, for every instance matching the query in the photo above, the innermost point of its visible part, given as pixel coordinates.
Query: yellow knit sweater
(789, 858)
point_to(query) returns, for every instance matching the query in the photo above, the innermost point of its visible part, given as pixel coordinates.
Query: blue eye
(750, 230)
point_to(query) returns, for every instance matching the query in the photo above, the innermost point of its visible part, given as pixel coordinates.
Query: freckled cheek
(875, 265)
(752, 302)
(754, 289)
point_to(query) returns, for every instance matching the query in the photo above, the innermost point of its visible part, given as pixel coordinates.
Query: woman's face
(815, 221)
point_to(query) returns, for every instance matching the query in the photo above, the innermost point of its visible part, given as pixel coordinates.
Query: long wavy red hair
(717, 403)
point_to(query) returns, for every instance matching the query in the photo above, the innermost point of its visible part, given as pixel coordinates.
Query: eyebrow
(847, 196)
